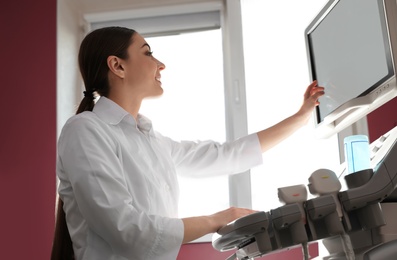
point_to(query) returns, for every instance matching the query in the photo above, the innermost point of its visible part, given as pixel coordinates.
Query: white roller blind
(161, 21)
(166, 25)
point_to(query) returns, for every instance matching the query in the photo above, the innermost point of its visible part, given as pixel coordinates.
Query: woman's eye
(149, 53)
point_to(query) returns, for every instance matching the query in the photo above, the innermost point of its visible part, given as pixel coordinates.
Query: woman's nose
(160, 65)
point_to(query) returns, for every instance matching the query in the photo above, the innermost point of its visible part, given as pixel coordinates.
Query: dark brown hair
(96, 47)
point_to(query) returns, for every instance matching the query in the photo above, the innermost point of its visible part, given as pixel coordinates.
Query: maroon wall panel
(382, 119)
(28, 128)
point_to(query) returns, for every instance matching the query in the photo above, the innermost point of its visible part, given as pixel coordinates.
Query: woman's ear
(115, 66)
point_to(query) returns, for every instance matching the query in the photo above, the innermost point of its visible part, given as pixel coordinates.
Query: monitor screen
(350, 54)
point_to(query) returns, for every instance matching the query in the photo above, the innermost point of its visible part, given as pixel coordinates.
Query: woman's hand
(196, 227)
(310, 100)
(224, 217)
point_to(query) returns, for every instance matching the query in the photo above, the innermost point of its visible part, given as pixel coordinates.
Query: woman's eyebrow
(146, 44)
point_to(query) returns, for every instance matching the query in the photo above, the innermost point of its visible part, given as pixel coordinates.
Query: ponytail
(62, 247)
(87, 104)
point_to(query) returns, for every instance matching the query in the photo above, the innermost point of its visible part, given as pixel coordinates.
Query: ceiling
(92, 6)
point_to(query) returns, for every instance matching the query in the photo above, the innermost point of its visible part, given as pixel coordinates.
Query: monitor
(351, 47)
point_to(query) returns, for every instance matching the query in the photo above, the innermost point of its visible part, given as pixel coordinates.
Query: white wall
(69, 35)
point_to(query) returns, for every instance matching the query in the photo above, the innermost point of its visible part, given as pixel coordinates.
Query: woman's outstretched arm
(273, 135)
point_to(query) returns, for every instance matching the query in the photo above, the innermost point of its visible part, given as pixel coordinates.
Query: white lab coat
(119, 185)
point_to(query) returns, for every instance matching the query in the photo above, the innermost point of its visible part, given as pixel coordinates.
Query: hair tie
(88, 94)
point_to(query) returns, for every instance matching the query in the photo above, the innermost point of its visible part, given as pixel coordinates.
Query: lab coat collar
(111, 113)
(144, 124)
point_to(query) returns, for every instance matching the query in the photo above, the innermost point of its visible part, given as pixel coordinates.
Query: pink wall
(28, 128)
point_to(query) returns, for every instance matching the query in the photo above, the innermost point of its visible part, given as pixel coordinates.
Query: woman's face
(142, 70)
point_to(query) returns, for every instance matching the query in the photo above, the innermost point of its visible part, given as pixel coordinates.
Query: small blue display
(357, 153)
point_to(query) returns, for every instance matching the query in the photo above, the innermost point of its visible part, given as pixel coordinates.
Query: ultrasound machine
(352, 52)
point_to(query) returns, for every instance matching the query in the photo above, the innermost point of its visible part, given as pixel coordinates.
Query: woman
(118, 184)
